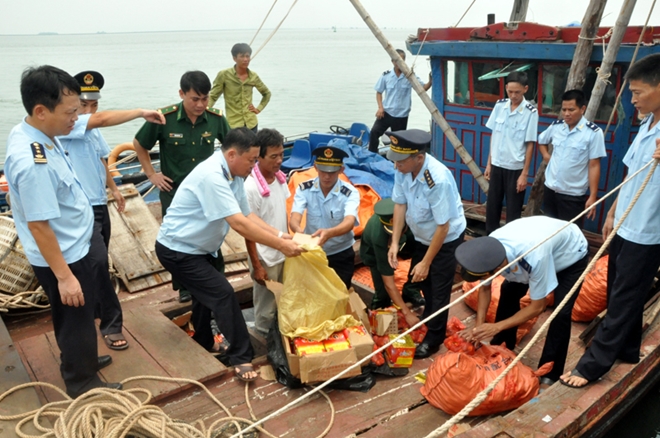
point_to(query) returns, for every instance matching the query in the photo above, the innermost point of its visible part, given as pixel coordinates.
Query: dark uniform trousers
(564, 207)
(382, 125)
(74, 327)
(409, 292)
(437, 286)
(503, 184)
(343, 263)
(631, 269)
(108, 308)
(211, 295)
(559, 332)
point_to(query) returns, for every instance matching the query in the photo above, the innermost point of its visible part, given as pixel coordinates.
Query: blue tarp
(364, 167)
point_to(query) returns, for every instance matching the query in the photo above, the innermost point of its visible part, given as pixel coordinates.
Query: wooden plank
(13, 374)
(43, 363)
(171, 347)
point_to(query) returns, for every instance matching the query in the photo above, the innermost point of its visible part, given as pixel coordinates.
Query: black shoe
(184, 296)
(116, 385)
(418, 301)
(424, 350)
(104, 361)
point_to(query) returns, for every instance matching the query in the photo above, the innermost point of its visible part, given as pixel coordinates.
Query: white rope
(254, 55)
(632, 61)
(446, 308)
(483, 394)
(262, 23)
(426, 34)
(465, 13)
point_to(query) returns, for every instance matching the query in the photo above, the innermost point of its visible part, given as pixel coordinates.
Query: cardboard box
(401, 353)
(360, 340)
(358, 309)
(320, 366)
(384, 322)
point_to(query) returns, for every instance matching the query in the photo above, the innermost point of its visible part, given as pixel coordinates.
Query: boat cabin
(469, 66)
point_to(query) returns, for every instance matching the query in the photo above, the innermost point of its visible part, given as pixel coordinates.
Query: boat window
(555, 78)
(457, 83)
(486, 83)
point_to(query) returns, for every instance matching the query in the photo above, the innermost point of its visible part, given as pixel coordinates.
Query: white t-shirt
(272, 209)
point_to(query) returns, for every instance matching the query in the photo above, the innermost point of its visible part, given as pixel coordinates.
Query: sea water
(318, 77)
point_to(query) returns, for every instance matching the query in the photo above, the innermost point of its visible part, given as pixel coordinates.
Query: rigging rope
(262, 23)
(465, 13)
(444, 309)
(254, 55)
(483, 394)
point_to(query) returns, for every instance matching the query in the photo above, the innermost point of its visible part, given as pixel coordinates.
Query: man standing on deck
(266, 190)
(186, 139)
(236, 83)
(87, 150)
(635, 249)
(574, 166)
(394, 108)
(210, 200)
(554, 266)
(374, 245)
(332, 211)
(426, 199)
(514, 123)
(55, 221)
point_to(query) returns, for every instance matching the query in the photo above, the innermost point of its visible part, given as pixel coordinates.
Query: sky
(85, 16)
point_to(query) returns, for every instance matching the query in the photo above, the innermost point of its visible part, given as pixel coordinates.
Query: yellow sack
(314, 299)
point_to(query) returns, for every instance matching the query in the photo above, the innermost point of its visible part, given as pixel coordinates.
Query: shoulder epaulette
(593, 126)
(557, 122)
(531, 107)
(168, 109)
(645, 119)
(38, 153)
(386, 72)
(429, 178)
(523, 263)
(306, 185)
(225, 172)
(345, 191)
(215, 111)
(503, 100)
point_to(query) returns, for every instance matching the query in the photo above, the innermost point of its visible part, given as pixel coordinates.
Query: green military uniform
(376, 240)
(183, 145)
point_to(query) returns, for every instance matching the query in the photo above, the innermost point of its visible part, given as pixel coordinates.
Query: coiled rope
(447, 307)
(110, 413)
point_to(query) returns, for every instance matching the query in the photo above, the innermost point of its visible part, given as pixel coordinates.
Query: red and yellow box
(401, 353)
(336, 341)
(304, 346)
(384, 321)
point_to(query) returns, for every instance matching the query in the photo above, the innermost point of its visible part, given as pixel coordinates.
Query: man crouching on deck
(209, 201)
(554, 266)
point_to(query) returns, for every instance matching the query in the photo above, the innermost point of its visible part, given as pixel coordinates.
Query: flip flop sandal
(242, 370)
(575, 373)
(112, 338)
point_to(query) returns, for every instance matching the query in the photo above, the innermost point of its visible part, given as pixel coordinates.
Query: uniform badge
(394, 140)
(175, 135)
(50, 147)
(88, 79)
(206, 134)
(328, 153)
(38, 153)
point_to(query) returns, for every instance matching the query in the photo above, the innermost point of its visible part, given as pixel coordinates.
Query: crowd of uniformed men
(56, 171)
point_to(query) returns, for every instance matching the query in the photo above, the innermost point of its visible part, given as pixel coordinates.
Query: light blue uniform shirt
(195, 221)
(86, 148)
(511, 131)
(47, 192)
(432, 199)
(397, 91)
(642, 225)
(328, 211)
(539, 268)
(568, 169)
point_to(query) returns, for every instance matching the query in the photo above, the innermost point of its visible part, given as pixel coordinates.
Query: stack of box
(384, 324)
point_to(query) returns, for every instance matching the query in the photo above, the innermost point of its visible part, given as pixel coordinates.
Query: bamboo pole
(437, 117)
(519, 11)
(610, 56)
(576, 78)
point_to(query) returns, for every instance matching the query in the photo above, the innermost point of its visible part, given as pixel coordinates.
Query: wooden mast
(519, 11)
(576, 78)
(437, 117)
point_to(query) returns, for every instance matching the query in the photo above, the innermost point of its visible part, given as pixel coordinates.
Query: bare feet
(246, 372)
(574, 379)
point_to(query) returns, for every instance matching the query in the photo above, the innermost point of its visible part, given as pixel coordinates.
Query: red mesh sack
(593, 295)
(454, 379)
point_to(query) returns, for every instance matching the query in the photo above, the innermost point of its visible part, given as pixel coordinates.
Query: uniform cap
(479, 257)
(385, 211)
(406, 143)
(91, 83)
(329, 158)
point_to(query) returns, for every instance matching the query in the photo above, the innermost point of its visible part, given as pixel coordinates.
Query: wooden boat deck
(158, 347)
